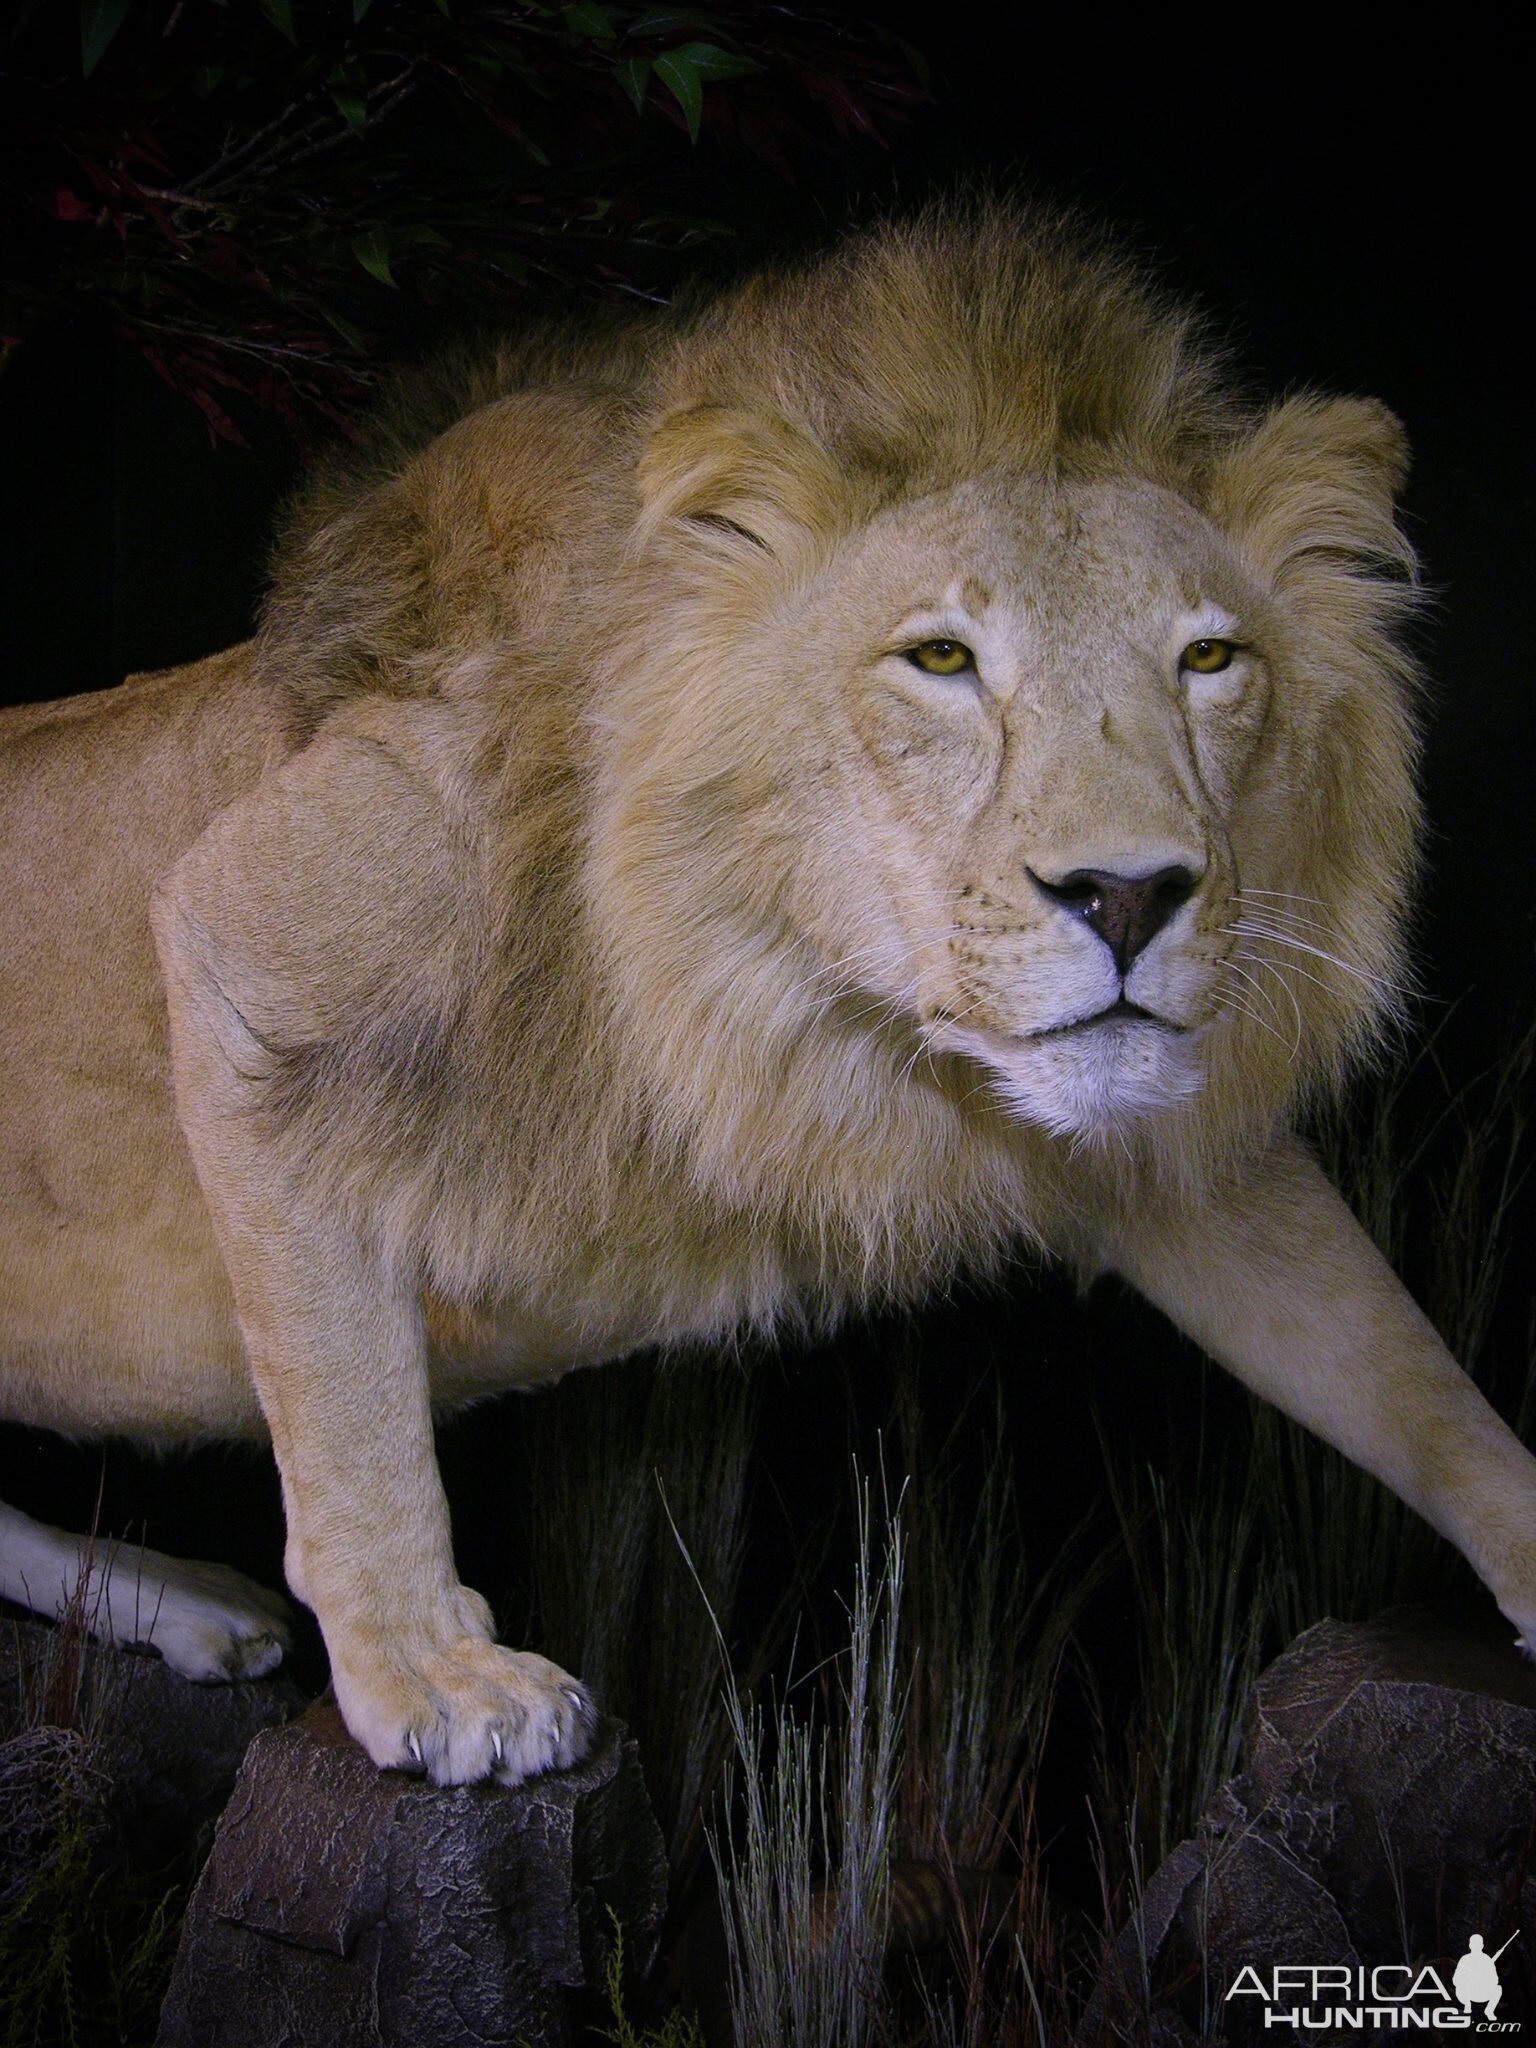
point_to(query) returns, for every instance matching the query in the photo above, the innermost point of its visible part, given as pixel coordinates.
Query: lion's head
(993, 684)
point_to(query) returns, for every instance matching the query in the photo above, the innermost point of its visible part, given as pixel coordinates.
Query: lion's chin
(1091, 1080)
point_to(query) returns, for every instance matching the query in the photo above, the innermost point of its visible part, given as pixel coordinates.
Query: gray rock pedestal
(1386, 1812)
(347, 1907)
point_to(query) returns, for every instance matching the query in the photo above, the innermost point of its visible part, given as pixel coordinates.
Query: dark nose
(1127, 911)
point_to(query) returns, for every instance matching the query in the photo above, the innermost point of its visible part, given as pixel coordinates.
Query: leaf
(682, 80)
(348, 85)
(916, 59)
(509, 264)
(634, 75)
(685, 71)
(504, 121)
(372, 250)
(220, 426)
(711, 62)
(280, 14)
(507, 56)
(354, 337)
(664, 21)
(586, 18)
(100, 21)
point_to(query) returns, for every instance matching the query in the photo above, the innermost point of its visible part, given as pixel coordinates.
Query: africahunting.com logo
(1334, 1998)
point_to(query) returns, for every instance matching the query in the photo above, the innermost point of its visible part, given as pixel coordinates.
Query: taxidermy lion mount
(771, 804)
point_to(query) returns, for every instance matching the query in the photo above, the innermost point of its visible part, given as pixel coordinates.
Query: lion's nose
(1127, 911)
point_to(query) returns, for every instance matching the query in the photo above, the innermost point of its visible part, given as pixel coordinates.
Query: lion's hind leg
(208, 1622)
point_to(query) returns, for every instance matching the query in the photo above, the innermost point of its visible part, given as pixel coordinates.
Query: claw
(414, 1747)
(496, 1743)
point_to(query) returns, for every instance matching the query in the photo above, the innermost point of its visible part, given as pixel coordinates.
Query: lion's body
(117, 1314)
(583, 922)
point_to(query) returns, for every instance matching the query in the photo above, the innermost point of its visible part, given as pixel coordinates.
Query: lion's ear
(733, 479)
(1316, 479)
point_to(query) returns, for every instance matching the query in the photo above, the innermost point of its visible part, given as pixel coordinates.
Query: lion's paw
(208, 1622)
(1516, 1597)
(467, 1711)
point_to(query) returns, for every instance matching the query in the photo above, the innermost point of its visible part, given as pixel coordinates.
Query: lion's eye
(1207, 657)
(942, 657)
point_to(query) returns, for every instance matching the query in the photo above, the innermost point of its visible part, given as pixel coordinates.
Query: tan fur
(580, 926)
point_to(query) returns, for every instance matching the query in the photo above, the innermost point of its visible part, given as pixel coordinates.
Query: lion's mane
(630, 1045)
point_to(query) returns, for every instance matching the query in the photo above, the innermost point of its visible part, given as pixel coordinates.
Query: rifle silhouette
(1499, 1951)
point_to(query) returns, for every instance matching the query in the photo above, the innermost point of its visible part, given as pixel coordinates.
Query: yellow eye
(1207, 657)
(942, 657)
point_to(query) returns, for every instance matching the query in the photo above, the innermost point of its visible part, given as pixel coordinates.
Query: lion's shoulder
(472, 545)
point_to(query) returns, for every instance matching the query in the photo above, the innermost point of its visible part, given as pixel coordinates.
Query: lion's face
(1043, 700)
(1071, 793)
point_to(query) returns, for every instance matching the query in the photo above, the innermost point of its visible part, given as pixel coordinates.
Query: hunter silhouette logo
(1355, 1998)
(1476, 1980)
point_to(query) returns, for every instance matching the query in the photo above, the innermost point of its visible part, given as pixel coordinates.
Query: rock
(342, 1904)
(1386, 1811)
(164, 1753)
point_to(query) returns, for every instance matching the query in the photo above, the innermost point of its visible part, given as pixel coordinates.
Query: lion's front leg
(337, 1353)
(331, 1320)
(1279, 1282)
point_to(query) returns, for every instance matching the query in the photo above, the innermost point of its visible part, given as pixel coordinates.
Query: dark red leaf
(201, 366)
(220, 426)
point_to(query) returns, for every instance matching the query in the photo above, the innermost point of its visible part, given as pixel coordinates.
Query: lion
(728, 818)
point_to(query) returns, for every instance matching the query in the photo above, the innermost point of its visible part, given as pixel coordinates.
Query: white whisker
(1285, 896)
(1249, 928)
(925, 1043)
(987, 1084)
(1234, 1006)
(1291, 967)
(1231, 966)
(1272, 967)
(959, 1016)
(836, 975)
(1235, 1003)
(1290, 918)
(909, 1065)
